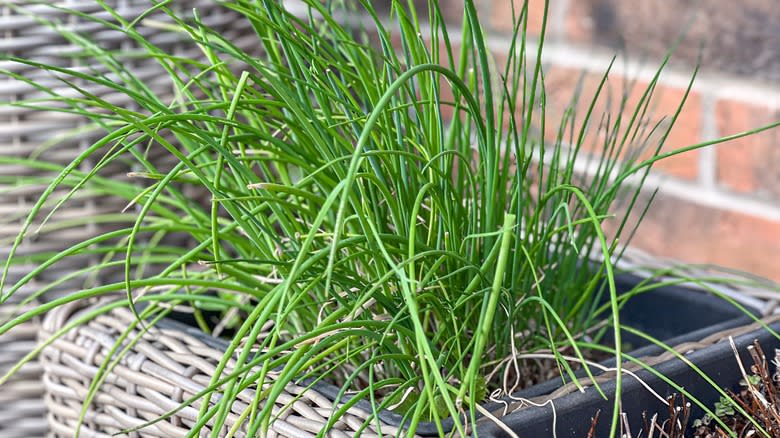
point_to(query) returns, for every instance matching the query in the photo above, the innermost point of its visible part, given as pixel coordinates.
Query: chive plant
(382, 208)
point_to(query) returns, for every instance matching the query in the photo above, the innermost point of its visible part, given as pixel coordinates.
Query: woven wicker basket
(58, 138)
(167, 366)
(173, 362)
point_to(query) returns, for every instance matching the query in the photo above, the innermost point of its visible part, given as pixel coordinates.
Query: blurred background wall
(718, 205)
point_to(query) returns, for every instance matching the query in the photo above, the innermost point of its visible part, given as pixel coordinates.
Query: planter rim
(713, 354)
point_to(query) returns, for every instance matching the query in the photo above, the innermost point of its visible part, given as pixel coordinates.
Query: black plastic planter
(675, 312)
(574, 411)
(674, 315)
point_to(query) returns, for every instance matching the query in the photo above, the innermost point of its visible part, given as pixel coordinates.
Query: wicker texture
(759, 293)
(58, 138)
(22, 406)
(164, 368)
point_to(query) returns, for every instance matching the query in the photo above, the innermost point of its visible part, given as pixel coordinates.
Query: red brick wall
(720, 205)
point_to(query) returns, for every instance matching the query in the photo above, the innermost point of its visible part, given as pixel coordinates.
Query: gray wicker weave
(58, 138)
(166, 367)
(758, 293)
(22, 406)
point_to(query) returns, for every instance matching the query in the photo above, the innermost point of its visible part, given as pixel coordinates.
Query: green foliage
(384, 200)
(723, 408)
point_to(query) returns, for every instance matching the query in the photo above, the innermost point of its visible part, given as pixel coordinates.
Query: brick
(737, 37)
(562, 83)
(501, 15)
(750, 164)
(692, 233)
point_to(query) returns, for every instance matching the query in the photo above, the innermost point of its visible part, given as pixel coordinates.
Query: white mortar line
(714, 198)
(559, 12)
(708, 160)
